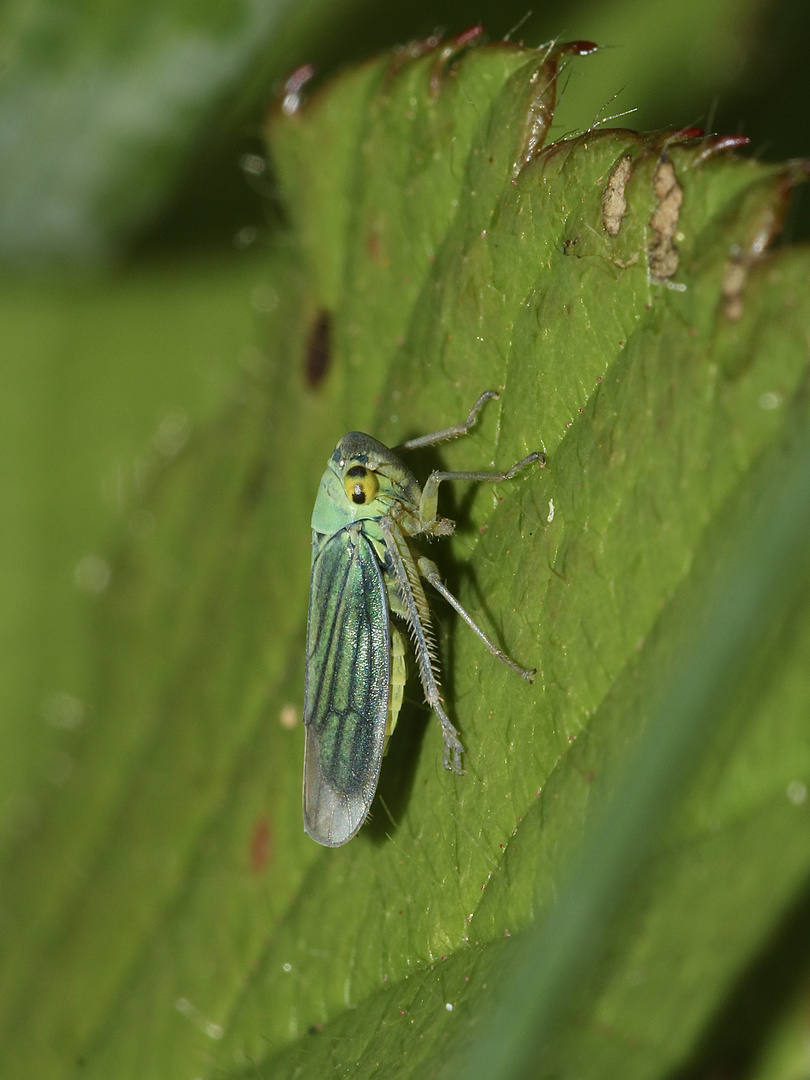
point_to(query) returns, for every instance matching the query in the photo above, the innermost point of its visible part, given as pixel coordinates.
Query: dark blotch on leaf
(319, 350)
(254, 482)
(261, 845)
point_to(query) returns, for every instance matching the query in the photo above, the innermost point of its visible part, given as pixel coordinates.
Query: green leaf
(632, 831)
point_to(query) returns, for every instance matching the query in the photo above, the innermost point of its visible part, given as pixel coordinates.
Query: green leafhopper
(364, 569)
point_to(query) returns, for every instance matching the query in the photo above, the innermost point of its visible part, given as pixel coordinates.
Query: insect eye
(361, 485)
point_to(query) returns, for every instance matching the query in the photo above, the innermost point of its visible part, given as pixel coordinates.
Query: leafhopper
(365, 569)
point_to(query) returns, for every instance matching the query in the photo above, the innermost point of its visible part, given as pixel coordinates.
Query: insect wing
(348, 682)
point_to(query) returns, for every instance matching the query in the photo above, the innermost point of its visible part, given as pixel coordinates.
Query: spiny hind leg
(407, 599)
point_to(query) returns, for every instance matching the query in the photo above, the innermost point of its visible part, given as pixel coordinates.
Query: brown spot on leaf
(731, 289)
(319, 350)
(614, 203)
(254, 483)
(765, 227)
(374, 247)
(664, 221)
(261, 845)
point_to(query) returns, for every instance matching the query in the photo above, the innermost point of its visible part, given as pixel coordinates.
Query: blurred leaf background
(135, 214)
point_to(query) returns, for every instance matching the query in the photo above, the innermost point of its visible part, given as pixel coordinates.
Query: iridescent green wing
(348, 681)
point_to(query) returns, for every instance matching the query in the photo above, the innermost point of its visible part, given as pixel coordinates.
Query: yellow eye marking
(360, 484)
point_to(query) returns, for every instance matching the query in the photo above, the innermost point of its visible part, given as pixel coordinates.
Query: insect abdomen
(399, 673)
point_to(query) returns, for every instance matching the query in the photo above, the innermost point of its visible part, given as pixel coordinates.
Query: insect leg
(430, 573)
(430, 493)
(416, 612)
(451, 432)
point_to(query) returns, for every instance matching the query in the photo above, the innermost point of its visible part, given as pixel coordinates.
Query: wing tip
(329, 823)
(331, 816)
